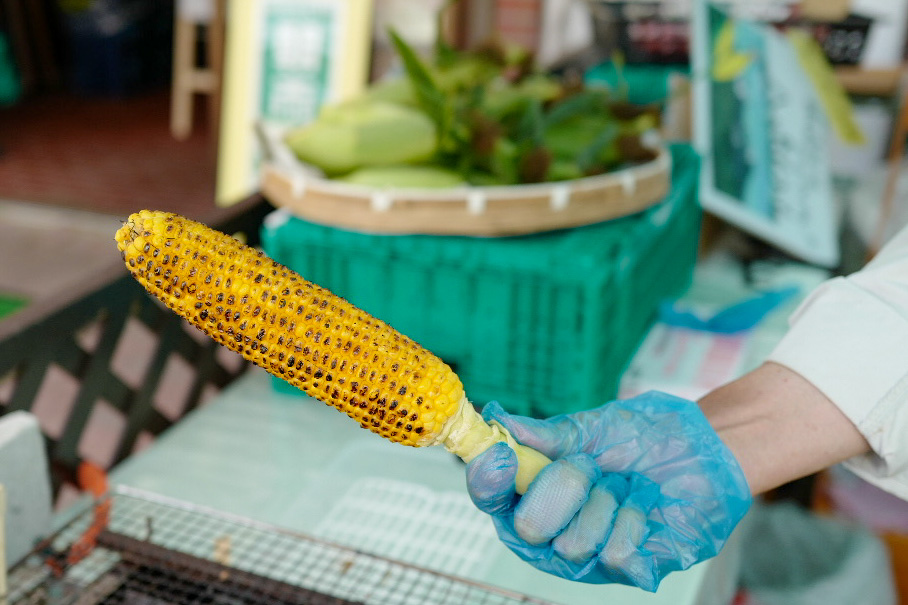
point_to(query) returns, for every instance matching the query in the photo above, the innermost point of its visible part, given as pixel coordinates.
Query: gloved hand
(637, 489)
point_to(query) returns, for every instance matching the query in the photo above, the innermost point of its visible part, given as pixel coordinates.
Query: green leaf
(619, 62)
(504, 161)
(590, 156)
(583, 103)
(430, 97)
(531, 128)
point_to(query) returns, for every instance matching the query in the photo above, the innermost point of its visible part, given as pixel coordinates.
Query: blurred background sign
(864, 33)
(763, 135)
(284, 60)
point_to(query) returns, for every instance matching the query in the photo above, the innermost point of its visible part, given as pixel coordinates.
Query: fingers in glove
(586, 534)
(491, 480)
(623, 557)
(555, 437)
(554, 497)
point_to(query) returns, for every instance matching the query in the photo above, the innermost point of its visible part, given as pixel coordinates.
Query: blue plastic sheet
(738, 317)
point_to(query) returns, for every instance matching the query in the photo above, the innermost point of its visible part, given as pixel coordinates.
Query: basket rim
(304, 179)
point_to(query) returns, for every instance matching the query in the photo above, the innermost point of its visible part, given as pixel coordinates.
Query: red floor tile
(106, 155)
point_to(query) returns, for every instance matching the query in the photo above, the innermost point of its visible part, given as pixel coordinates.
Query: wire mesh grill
(145, 549)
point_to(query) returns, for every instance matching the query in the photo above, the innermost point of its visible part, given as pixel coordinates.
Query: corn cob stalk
(311, 338)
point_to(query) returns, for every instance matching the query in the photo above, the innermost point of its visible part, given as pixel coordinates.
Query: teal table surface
(296, 463)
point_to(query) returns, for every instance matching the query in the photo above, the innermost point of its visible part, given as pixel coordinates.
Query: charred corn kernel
(306, 335)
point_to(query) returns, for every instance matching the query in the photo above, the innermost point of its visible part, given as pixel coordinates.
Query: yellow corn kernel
(304, 334)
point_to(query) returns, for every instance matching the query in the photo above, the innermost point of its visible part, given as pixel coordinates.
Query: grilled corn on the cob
(311, 338)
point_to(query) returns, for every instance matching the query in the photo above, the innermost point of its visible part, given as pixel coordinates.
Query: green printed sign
(297, 40)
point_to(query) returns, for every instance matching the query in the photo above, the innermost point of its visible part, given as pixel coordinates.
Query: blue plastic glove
(637, 489)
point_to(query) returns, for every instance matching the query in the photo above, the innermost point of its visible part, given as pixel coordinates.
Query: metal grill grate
(152, 550)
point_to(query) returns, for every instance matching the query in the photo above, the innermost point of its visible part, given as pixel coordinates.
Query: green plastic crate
(544, 323)
(646, 83)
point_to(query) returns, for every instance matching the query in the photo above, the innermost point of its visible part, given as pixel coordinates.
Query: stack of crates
(543, 323)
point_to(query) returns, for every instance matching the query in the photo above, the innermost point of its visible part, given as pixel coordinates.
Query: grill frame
(221, 559)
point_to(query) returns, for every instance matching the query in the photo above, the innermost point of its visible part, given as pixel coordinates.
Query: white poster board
(763, 136)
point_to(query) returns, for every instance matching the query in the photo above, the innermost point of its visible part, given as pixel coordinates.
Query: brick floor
(104, 155)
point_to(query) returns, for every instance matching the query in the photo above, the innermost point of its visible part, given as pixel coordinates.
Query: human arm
(780, 427)
(834, 390)
(849, 340)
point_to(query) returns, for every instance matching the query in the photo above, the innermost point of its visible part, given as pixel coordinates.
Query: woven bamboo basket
(467, 210)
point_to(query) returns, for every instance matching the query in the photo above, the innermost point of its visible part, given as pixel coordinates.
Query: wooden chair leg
(181, 88)
(189, 79)
(44, 48)
(215, 56)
